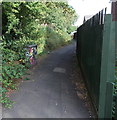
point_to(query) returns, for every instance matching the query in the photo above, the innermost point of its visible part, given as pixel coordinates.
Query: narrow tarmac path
(50, 92)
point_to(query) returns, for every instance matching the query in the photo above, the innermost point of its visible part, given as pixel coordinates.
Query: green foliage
(46, 24)
(55, 38)
(4, 99)
(11, 71)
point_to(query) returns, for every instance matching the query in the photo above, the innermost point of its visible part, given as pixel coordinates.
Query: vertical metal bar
(105, 11)
(99, 14)
(102, 17)
(104, 14)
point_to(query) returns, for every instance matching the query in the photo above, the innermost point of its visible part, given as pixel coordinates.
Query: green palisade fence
(96, 43)
(89, 51)
(114, 18)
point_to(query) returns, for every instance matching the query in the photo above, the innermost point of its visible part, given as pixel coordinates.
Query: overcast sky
(88, 7)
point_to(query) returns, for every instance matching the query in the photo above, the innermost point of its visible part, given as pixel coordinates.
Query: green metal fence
(114, 18)
(96, 55)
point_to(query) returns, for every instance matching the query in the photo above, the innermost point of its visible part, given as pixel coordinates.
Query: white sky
(88, 7)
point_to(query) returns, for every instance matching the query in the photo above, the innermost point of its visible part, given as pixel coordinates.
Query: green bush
(56, 38)
(26, 23)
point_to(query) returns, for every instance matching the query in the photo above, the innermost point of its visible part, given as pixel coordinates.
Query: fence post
(104, 62)
(114, 19)
(107, 68)
(111, 72)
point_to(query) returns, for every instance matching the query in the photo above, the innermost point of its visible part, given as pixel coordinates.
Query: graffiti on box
(31, 52)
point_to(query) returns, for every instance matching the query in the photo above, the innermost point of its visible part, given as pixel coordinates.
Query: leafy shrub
(56, 38)
(26, 23)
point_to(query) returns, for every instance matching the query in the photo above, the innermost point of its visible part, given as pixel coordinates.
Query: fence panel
(107, 69)
(90, 37)
(114, 18)
(96, 54)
